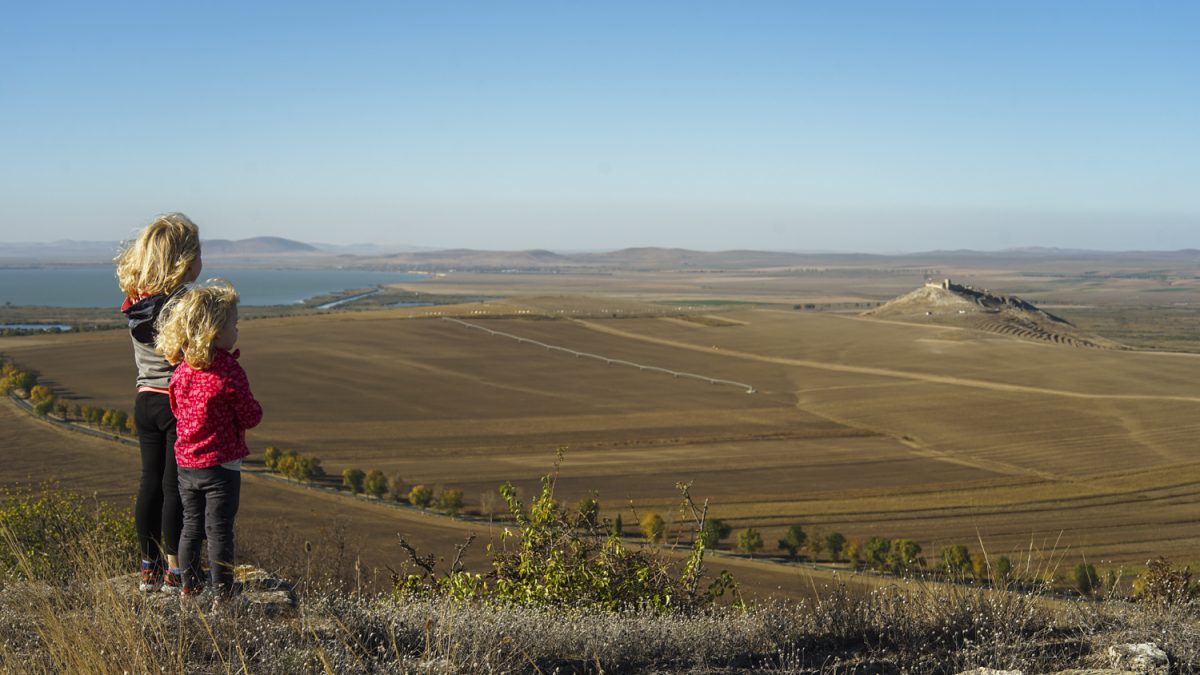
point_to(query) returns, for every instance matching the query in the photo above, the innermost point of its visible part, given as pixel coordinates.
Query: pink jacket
(214, 407)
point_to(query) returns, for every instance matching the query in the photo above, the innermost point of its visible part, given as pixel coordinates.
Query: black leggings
(159, 511)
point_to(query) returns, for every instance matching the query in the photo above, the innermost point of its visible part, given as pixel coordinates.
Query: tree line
(44, 402)
(373, 482)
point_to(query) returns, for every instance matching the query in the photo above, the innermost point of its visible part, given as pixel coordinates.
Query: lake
(97, 286)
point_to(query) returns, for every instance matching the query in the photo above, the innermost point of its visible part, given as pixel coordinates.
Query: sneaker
(192, 592)
(151, 577)
(172, 581)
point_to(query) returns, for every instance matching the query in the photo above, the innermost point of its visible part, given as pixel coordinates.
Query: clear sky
(851, 126)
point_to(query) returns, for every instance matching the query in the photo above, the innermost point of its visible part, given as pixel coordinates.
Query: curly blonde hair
(157, 260)
(191, 320)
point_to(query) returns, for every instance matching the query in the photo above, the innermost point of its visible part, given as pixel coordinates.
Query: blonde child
(211, 398)
(150, 269)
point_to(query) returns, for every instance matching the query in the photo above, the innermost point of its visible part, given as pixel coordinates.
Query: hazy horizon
(871, 127)
(336, 249)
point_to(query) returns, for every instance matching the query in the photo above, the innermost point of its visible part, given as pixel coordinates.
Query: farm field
(867, 427)
(276, 517)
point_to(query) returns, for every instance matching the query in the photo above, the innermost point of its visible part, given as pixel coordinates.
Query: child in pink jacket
(212, 402)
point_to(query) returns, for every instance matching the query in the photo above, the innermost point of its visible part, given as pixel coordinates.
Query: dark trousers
(158, 513)
(210, 503)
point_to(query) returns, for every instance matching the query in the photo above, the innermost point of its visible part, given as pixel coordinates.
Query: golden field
(868, 427)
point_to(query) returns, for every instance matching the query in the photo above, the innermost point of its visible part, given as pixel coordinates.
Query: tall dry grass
(87, 617)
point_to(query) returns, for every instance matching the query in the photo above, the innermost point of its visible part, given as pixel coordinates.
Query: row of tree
(44, 402)
(292, 465)
(308, 469)
(376, 484)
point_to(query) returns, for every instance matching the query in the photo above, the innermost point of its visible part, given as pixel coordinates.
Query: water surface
(97, 286)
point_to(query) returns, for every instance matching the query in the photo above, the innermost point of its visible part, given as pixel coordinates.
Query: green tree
(106, 418)
(750, 541)
(714, 531)
(853, 551)
(420, 495)
(63, 407)
(1086, 580)
(40, 393)
(834, 543)
(587, 510)
(956, 560)
(618, 528)
(1003, 570)
(43, 407)
(396, 487)
(19, 381)
(308, 469)
(286, 464)
(119, 419)
(352, 480)
(793, 541)
(905, 556)
(653, 527)
(271, 457)
(876, 551)
(450, 500)
(375, 483)
(815, 544)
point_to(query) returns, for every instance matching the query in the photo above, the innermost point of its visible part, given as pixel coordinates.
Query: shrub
(548, 561)
(271, 457)
(42, 533)
(1160, 583)
(1086, 580)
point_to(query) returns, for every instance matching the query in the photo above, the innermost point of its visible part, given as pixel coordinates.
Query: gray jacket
(153, 369)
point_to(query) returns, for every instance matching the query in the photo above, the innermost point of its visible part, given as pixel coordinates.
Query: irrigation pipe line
(640, 366)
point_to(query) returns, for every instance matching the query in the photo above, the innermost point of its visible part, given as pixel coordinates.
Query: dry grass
(91, 626)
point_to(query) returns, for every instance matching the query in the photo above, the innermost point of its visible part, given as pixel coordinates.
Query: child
(211, 398)
(150, 269)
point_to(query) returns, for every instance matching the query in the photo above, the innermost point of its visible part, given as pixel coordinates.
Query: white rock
(1141, 657)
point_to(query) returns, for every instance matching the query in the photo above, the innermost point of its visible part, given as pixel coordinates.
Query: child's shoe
(172, 581)
(151, 577)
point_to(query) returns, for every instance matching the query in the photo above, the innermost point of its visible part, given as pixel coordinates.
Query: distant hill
(255, 246)
(948, 303)
(64, 250)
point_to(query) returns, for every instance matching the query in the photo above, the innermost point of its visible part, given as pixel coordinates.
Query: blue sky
(853, 126)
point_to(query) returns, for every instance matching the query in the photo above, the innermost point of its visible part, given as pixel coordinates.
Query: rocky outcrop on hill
(946, 302)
